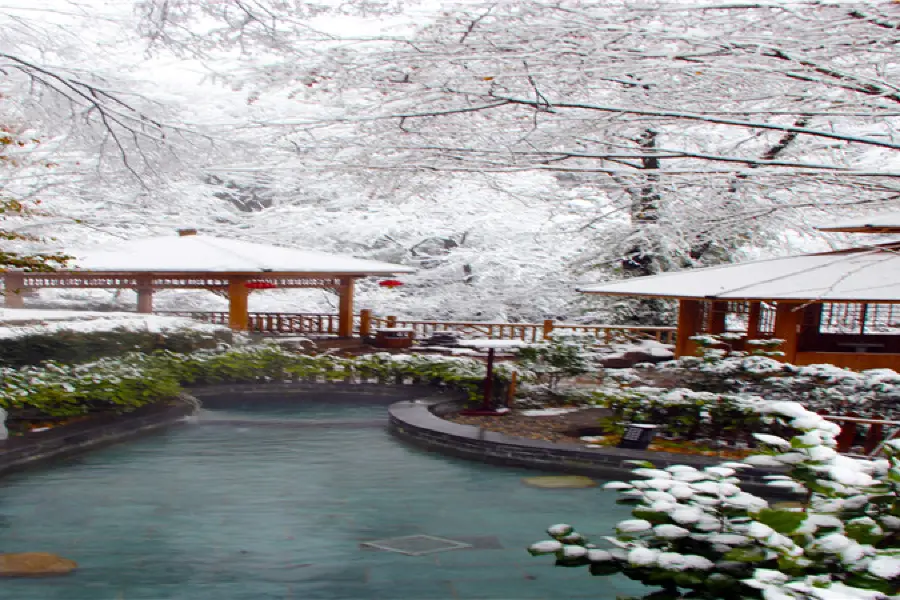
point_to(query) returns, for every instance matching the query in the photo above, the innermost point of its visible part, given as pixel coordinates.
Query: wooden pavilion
(840, 308)
(232, 268)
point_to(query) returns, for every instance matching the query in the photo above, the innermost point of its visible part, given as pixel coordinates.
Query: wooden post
(391, 321)
(847, 435)
(145, 295)
(14, 286)
(365, 322)
(875, 435)
(787, 328)
(511, 392)
(238, 296)
(548, 328)
(489, 381)
(345, 308)
(688, 324)
(753, 321)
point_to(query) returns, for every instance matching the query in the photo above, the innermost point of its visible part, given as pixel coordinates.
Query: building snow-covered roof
(888, 222)
(861, 274)
(202, 253)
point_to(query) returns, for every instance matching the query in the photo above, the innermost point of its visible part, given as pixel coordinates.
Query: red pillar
(688, 325)
(345, 308)
(788, 320)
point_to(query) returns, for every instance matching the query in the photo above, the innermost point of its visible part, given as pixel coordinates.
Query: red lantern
(260, 285)
(390, 283)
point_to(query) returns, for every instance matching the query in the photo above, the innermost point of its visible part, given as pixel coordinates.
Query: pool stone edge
(20, 452)
(419, 423)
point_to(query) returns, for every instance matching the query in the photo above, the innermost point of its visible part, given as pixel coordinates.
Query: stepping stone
(35, 564)
(560, 482)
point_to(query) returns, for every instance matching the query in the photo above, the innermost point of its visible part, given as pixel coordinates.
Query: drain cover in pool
(416, 545)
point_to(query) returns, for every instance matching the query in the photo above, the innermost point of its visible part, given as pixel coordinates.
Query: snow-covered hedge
(696, 532)
(717, 395)
(683, 413)
(133, 379)
(29, 337)
(817, 386)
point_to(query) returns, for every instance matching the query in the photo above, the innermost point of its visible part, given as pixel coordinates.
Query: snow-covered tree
(89, 138)
(688, 130)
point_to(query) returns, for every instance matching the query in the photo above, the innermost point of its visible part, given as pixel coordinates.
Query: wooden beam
(345, 307)
(788, 321)
(238, 295)
(14, 285)
(688, 325)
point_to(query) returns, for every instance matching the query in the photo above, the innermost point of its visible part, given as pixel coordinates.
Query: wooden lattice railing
(529, 332)
(365, 324)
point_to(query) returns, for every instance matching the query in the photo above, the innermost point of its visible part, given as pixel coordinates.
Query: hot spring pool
(274, 502)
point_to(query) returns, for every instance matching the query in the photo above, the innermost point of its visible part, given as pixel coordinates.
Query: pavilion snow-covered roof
(202, 253)
(879, 223)
(862, 274)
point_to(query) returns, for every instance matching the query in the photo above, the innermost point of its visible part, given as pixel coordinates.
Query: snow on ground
(650, 347)
(548, 412)
(22, 322)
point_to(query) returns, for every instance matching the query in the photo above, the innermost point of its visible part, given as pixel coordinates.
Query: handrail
(365, 322)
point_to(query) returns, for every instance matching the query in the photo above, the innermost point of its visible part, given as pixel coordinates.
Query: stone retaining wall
(66, 440)
(419, 423)
(70, 439)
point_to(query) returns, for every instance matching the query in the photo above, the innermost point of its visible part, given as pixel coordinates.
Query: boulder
(35, 564)
(561, 481)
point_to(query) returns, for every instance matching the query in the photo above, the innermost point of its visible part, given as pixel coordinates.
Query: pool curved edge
(67, 440)
(418, 422)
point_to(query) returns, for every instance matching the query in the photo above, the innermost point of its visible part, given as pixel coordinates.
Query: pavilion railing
(271, 322)
(529, 332)
(366, 323)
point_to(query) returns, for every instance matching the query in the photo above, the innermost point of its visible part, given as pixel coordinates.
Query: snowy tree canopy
(504, 149)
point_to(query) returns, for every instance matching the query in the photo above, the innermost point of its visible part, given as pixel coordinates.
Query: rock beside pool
(561, 481)
(35, 564)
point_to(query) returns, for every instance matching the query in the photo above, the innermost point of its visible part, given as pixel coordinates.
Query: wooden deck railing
(265, 322)
(366, 323)
(529, 332)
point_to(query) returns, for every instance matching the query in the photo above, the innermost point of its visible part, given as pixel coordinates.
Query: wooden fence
(365, 324)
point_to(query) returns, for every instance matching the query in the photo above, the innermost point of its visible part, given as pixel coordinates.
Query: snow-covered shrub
(134, 379)
(820, 387)
(681, 412)
(562, 355)
(696, 534)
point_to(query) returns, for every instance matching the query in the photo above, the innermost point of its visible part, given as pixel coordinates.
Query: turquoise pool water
(274, 504)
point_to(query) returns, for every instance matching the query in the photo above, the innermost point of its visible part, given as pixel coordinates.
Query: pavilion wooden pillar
(788, 321)
(688, 325)
(145, 295)
(238, 295)
(345, 307)
(14, 282)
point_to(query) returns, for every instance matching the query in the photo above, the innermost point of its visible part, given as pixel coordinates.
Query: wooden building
(840, 308)
(232, 268)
